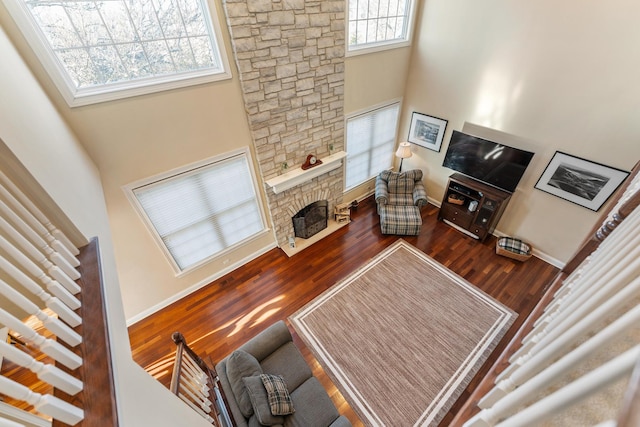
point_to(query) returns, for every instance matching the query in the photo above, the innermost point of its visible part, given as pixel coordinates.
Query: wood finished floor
(222, 315)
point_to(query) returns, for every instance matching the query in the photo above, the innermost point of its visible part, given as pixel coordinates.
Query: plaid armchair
(399, 197)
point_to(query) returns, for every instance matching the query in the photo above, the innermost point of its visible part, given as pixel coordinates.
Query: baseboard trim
(146, 313)
(536, 253)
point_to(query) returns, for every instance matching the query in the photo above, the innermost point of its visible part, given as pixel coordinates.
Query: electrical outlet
(225, 262)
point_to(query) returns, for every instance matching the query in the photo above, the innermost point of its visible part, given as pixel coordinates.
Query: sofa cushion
(241, 364)
(260, 401)
(313, 406)
(398, 185)
(279, 399)
(288, 362)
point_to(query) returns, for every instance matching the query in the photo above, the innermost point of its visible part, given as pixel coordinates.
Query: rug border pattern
(462, 375)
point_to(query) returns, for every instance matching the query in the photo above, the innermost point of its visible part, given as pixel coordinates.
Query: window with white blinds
(200, 212)
(370, 140)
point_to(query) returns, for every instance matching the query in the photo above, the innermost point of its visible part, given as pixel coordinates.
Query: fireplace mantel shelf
(298, 176)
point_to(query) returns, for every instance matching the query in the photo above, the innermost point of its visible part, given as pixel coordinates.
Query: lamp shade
(404, 150)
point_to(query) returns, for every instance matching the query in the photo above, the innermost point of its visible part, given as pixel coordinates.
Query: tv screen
(495, 164)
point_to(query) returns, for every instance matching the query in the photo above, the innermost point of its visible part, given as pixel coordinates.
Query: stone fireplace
(311, 219)
(290, 59)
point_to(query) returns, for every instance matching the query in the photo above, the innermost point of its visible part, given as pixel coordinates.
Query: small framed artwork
(427, 131)
(580, 181)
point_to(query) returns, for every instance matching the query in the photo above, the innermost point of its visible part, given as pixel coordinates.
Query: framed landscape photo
(580, 181)
(427, 131)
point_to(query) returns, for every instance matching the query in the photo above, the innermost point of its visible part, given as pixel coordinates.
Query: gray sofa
(276, 354)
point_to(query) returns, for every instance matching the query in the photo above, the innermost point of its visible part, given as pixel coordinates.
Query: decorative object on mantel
(342, 213)
(580, 181)
(427, 131)
(311, 161)
(298, 176)
(404, 152)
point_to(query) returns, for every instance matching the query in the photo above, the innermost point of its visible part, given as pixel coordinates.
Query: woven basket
(455, 199)
(517, 255)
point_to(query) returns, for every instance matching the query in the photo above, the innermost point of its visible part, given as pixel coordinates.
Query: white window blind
(199, 213)
(95, 47)
(370, 143)
(376, 23)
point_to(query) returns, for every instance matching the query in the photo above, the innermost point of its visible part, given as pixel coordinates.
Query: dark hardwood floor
(219, 317)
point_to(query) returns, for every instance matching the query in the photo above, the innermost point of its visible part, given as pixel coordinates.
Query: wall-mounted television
(487, 161)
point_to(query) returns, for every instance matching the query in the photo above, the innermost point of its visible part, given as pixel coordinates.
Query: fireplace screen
(311, 219)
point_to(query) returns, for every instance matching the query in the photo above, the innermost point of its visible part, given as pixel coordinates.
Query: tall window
(200, 212)
(370, 143)
(379, 24)
(96, 50)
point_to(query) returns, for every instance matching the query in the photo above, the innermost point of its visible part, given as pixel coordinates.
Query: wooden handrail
(590, 244)
(97, 399)
(599, 231)
(217, 396)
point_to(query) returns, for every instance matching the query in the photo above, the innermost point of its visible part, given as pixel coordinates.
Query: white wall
(140, 137)
(554, 75)
(35, 133)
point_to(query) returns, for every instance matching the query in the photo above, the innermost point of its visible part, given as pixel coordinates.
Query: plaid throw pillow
(514, 245)
(279, 399)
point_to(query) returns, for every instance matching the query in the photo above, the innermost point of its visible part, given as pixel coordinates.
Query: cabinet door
(458, 216)
(484, 217)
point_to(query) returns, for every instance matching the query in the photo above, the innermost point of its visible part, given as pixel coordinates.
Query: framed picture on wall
(580, 181)
(427, 131)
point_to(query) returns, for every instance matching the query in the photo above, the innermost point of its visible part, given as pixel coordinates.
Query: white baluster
(628, 249)
(558, 401)
(53, 270)
(195, 407)
(46, 372)
(39, 242)
(8, 423)
(53, 303)
(578, 390)
(53, 286)
(46, 345)
(546, 374)
(577, 327)
(53, 324)
(37, 226)
(42, 218)
(612, 282)
(200, 400)
(47, 404)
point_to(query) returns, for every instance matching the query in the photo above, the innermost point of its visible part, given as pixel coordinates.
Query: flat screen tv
(492, 163)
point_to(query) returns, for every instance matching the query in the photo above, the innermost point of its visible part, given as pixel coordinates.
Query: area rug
(402, 337)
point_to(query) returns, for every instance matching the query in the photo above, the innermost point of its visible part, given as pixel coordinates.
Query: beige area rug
(402, 337)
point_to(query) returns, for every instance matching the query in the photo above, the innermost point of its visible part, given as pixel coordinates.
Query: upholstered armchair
(399, 197)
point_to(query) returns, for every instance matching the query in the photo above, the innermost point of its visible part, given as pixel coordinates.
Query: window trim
(87, 96)
(381, 46)
(129, 192)
(362, 112)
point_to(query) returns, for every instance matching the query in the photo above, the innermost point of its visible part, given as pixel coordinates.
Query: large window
(379, 24)
(202, 211)
(96, 50)
(371, 139)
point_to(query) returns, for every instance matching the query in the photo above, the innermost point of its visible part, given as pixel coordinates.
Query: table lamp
(404, 152)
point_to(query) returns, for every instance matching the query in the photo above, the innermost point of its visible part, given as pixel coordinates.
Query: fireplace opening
(311, 219)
